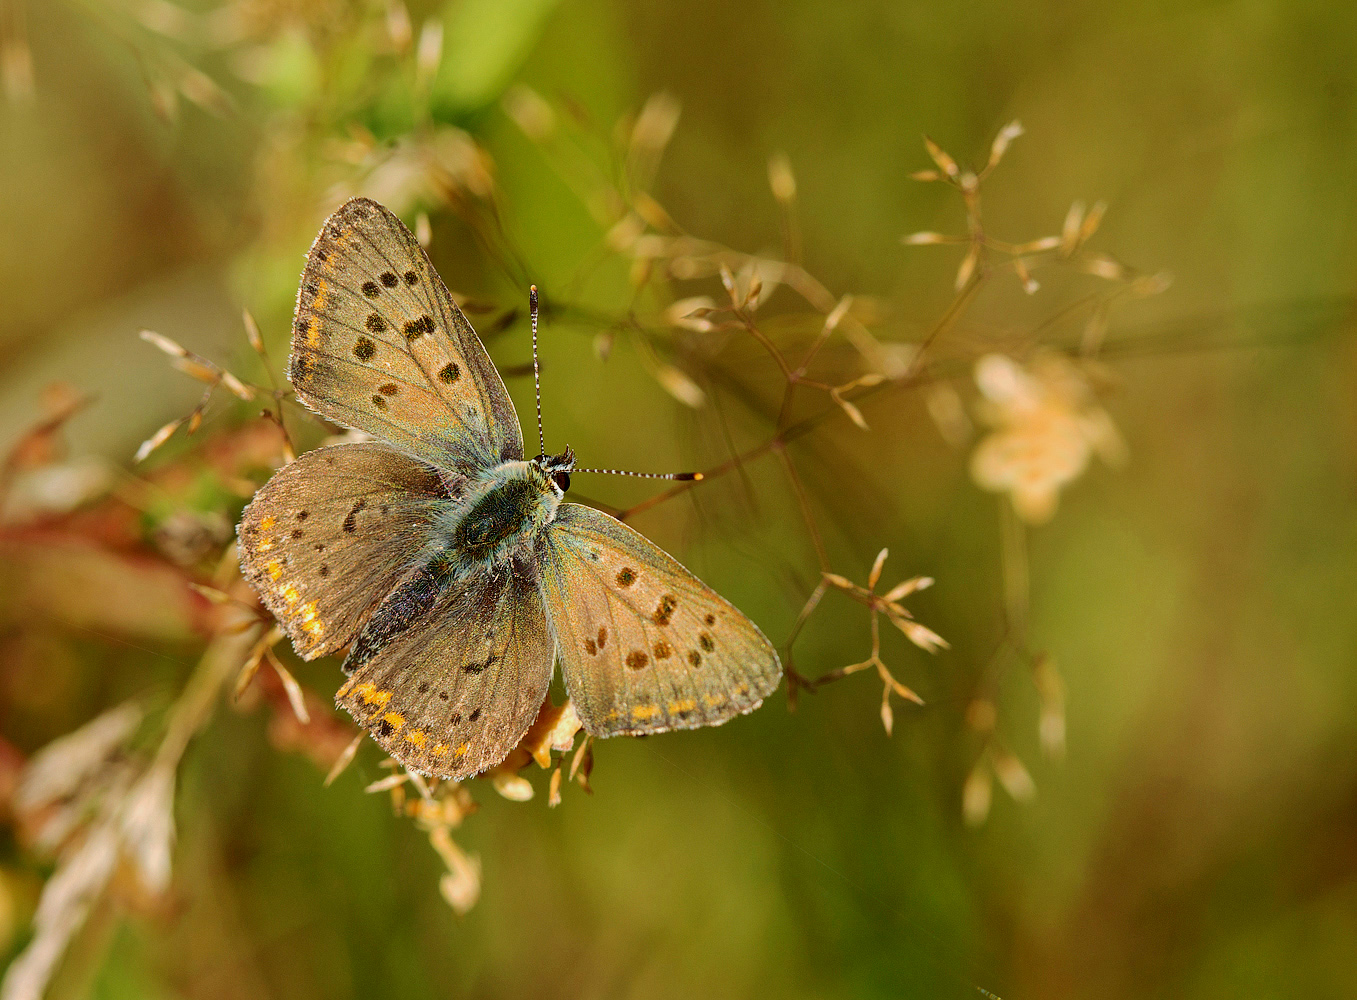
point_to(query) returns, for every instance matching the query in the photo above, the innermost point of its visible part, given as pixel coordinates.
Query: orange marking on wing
(395, 718)
(417, 737)
(275, 568)
(439, 749)
(461, 750)
(265, 545)
(686, 705)
(643, 712)
(369, 693)
(268, 523)
(713, 700)
(322, 289)
(289, 593)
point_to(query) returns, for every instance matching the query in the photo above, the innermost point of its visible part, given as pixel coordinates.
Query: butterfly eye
(562, 481)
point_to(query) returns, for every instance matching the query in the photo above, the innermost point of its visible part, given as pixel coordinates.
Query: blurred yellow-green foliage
(1134, 772)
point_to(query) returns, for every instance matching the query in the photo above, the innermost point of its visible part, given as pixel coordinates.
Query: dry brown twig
(887, 604)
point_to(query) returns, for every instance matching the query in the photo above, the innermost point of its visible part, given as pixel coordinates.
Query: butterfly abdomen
(401, 609)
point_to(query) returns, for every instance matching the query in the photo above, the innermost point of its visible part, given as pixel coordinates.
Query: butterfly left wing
(644, 645)
(331, 533)
(451, 675)
(378, 344)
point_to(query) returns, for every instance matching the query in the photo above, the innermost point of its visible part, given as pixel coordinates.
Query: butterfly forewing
(330, 534)
(644, 645)
(455, 692)
(378, 344)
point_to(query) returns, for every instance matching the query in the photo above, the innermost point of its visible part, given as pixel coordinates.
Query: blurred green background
(1199, 837)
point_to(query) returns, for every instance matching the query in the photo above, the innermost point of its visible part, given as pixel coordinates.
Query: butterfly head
(556, 469)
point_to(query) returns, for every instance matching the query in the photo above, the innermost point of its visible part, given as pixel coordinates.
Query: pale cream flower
(691, 314)
(1046, 425)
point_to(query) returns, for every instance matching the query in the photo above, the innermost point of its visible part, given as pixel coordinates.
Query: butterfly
(447, 564)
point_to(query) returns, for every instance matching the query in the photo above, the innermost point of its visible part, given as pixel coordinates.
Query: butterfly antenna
(536, 371)
(686, 477)
(541, 436)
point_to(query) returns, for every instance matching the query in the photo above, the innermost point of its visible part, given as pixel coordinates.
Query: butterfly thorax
(502, 512)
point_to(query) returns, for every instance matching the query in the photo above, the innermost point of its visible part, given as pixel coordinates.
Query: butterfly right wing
(378, 344)
(332, 533)
(644, 645)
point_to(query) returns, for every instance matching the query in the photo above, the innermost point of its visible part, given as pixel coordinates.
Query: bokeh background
(164, 165)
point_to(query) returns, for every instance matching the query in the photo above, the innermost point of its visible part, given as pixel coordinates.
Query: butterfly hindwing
(452, 691)
(644, 645)
(379, 344)
(330, 534)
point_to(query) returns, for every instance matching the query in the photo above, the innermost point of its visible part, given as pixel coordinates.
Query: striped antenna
(685, 477)
(536, 372)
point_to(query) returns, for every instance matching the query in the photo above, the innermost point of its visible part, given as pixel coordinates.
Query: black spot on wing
(351, 519)
(477, 667)
(664, 610)
(418, 327)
